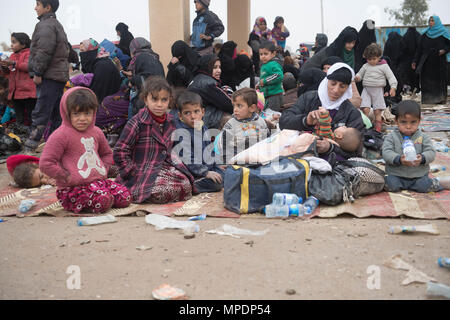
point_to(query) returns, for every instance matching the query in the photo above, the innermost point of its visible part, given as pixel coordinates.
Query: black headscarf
(342, 75)
(349, 34)
(310, 79)
(187, 56)
(244, 69)
(226, 54)
(206, 63)
(411, 41)
(331, 60)
(125, 38)
(394, 48)
(366, 36)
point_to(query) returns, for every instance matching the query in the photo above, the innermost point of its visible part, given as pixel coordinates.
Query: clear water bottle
(282, 199)
(276, 211)
(409, 150)
(444, 262)
(298, 210)
(90, 221)
(311, 203)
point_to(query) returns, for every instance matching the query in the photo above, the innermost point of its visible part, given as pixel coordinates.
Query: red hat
(13, 161)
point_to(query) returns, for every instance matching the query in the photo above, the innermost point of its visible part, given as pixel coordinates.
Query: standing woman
(431, 62)
(260, 32)
(182, 66)
(125, 38)
(410, 43)
(366, 36)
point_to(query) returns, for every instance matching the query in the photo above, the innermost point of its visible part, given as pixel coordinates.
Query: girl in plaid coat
(144, 151)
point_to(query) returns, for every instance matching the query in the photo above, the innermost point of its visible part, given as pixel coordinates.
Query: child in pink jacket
(77, 156)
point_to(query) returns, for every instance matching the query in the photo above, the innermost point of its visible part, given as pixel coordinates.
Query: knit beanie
(205, 3)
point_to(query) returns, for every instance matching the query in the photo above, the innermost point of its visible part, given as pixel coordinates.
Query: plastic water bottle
(438, 289)
(409, 150)
(436, 168)
(444, 262)
(276, 211)
(298, 210)
(162, 222)
(282, 199)
(90, 221)
(311, 203)
(26, 205)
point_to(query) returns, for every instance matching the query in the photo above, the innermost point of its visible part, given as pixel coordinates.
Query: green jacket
(272, 76)
(393, 150)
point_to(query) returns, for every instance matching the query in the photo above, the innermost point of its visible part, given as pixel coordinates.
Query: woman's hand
(323, 146)
(441, 52)
(313, 118)
(174, 60)
(413, 66)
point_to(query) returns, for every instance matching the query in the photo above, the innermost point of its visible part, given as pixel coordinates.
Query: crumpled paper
(413, 275)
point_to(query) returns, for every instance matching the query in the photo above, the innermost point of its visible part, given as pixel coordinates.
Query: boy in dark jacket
(191, 149)
(49, 67)
(205, 27)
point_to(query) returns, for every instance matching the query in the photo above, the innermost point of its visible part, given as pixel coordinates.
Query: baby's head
(82, 105)
(245, 103)
(25, 171)
(349, 139)
(157, 95)
(408, 117)
(190, 109)
(373, 54)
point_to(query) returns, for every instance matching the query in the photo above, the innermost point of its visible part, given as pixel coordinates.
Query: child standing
(49, 67)
(271, 83)
(22, 90)
(374, 74)
(78, 157)
(195, 141)
(245, 128)
(144, 155)
(280, 32)
(403, 174)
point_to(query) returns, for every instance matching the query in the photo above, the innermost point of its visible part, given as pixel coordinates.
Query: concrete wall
(239, 22)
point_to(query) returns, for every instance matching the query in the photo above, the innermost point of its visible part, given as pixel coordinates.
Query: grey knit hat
(205, 3)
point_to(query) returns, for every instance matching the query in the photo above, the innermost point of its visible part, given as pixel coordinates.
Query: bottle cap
(300, 200)
(80, 224)
(307, 210)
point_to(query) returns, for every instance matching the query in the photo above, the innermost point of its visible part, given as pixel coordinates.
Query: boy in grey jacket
(403, 174)
(373, 75)
(49, 67)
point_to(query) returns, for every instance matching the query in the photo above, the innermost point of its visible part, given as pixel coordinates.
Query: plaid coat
(141, 151)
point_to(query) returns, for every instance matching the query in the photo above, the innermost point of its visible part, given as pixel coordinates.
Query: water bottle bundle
(286, 205)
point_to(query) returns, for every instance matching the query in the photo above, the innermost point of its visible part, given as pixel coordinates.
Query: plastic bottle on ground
(444, 262)
(438, 289)
(409, 150)
(26, 205)
(298, 210)
(436, 168)
(312, 203)
(276, 211)
(282, 199)
(162, 222)
(90, 221)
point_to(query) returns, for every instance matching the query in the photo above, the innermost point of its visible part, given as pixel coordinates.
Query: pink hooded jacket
(75, 158)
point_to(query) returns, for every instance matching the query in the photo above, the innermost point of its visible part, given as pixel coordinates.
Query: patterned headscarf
(90, 44)
(267, 34)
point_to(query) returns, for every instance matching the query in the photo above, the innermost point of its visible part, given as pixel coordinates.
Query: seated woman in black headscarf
(333, 94)
(182, 66)
(227, 56)
(343, 47)
(245, 72)
(217, 103)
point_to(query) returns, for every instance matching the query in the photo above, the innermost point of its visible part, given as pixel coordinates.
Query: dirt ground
(317, 259)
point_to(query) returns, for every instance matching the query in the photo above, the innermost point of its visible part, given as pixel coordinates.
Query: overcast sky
(83, 19)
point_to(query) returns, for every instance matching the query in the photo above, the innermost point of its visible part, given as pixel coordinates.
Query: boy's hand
(414, 163)
(37, 80)
(205, 37)
(214, 176)
(261, 83)
(393, 92)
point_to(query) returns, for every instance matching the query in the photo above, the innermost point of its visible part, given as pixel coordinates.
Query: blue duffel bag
(249, 190)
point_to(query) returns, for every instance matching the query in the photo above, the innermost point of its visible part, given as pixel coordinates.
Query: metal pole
(321, 13)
